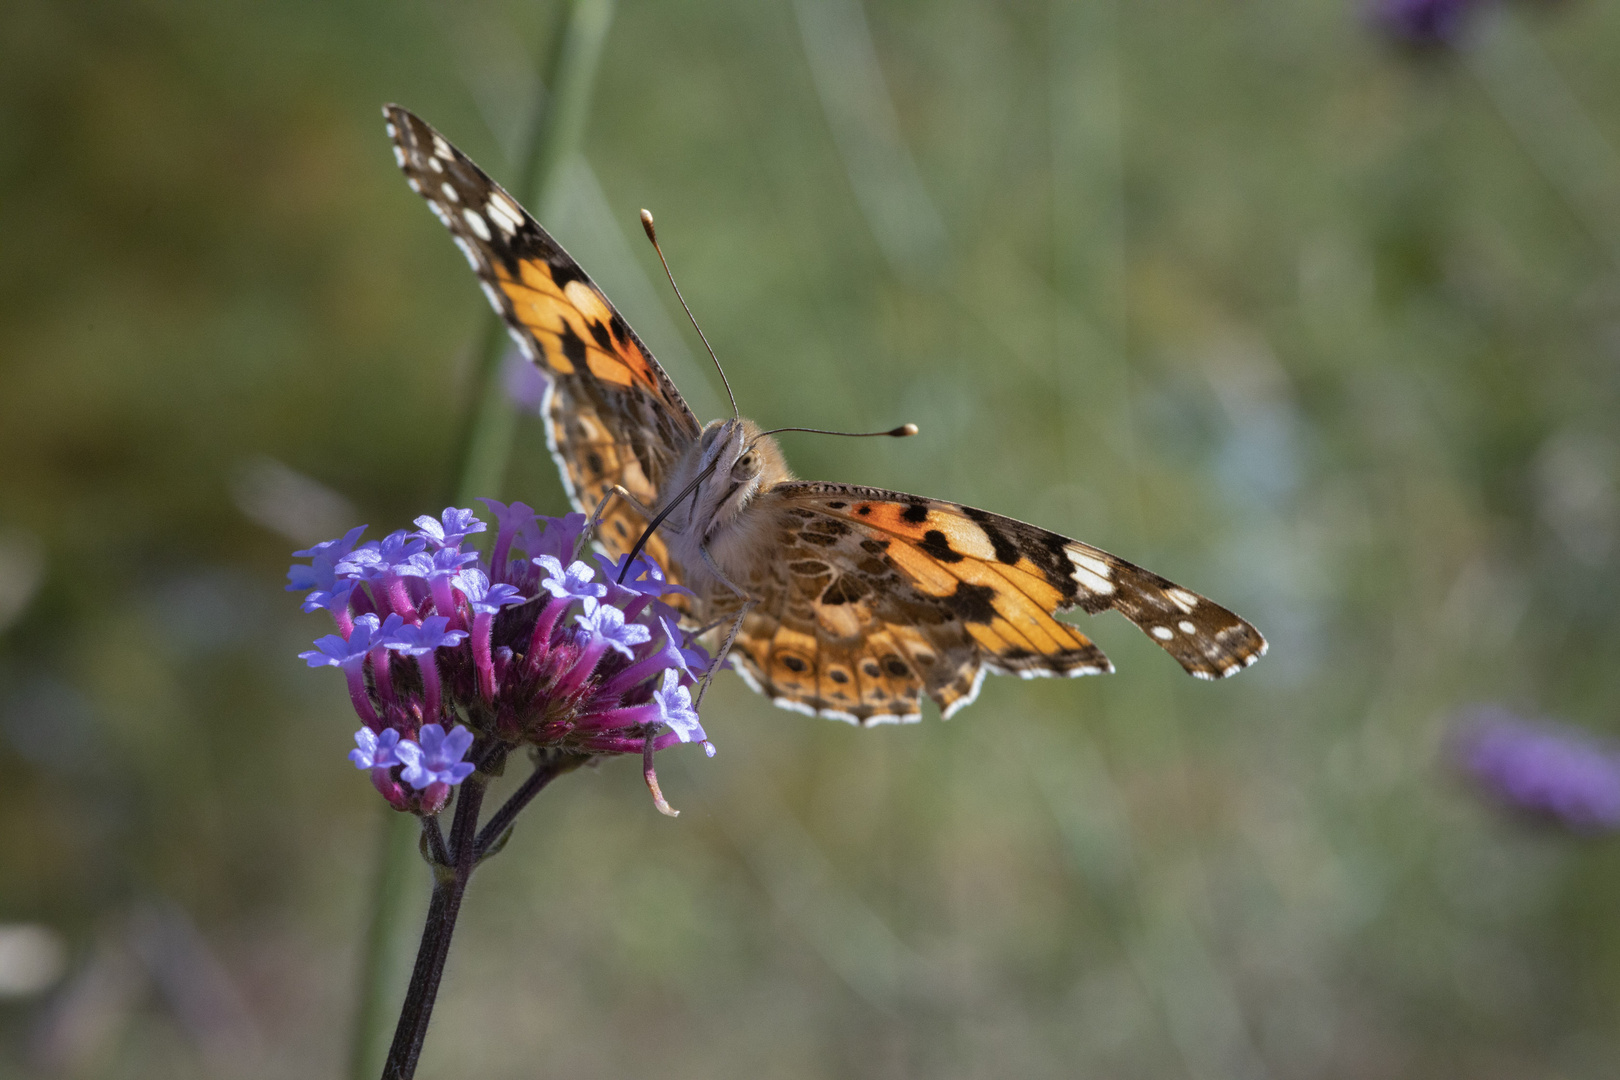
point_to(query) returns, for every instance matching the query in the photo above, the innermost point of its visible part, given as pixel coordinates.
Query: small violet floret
(453, 656)
(578, 581)
(375, 750)
(606, 625)
(450, 528)
(437, 757)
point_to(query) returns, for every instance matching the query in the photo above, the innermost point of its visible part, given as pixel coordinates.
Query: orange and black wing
(612, 415)
(881, 598)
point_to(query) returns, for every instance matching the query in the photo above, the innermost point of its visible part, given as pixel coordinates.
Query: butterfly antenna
(893, 433)
(652, 234)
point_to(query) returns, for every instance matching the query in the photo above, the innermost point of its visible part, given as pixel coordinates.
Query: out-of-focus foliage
(1327, 329)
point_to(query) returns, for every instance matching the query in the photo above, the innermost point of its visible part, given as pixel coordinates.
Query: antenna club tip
(647, 224)
(904, 430)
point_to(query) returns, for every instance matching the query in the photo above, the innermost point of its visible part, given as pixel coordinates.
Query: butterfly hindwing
(612, 414)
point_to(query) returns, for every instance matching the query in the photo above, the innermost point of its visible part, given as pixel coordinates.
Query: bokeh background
(1319, 323)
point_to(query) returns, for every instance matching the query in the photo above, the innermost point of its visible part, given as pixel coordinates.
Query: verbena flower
(1544, 768)
(450, 656)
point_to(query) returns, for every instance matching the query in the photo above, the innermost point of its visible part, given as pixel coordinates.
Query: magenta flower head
(453, 658)
(1545, 769)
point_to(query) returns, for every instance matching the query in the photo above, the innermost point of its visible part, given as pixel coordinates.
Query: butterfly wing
(879, 598)
(612, 415)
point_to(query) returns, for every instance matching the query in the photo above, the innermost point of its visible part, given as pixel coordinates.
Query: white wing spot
(433, 163)
(1183, 599)
(442, 148)
(475, 222)
(1096, 566)
(1163, 633)
(393, 132)
(399, 154)
(1092, 573)
(440, 213)
(449, 191)
(1187, 627)
(500, 212)
(411, 180)
(1227, 672)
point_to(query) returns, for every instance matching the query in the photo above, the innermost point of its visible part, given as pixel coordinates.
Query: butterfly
(846, 602)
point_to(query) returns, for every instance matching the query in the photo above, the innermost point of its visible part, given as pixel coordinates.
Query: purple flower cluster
(1546, 769)
(449, 654)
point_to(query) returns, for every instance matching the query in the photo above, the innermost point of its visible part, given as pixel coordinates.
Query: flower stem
(546, 770)
(450, 883)
(558, 130)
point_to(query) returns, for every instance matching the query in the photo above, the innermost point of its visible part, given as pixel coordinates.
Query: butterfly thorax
(741, 464)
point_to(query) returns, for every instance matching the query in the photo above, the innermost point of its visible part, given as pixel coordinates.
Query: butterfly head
(741, 462)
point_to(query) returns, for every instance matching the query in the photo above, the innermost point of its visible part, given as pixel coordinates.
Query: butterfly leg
(731, 635)
(601, 509)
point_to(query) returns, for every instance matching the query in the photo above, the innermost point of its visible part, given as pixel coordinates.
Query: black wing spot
(829, 526)
(621, 329)
(972, 603)
(599, 332)
(934, 543)
(838, 676)
(618, 527)
(863, 510)
(793, 663)
(871, 669)
(916, 513)
(895, 666)
(836, 505)
(572, 346)
(804, 512)
(874, 547)
(1006, 550)
(563, 271)
(593, 462)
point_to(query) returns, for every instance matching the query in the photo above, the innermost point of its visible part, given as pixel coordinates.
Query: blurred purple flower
(525, 383)
(1422, 22)
(558, 660)
(1545, 768)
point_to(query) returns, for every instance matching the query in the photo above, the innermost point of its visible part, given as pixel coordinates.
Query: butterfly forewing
(612, 415)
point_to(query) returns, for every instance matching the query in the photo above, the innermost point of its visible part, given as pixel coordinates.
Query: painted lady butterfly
(854, 602)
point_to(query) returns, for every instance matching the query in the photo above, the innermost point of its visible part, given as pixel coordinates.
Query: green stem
(486, 443)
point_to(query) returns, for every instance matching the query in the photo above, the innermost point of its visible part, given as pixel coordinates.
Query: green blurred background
(1325, 328)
